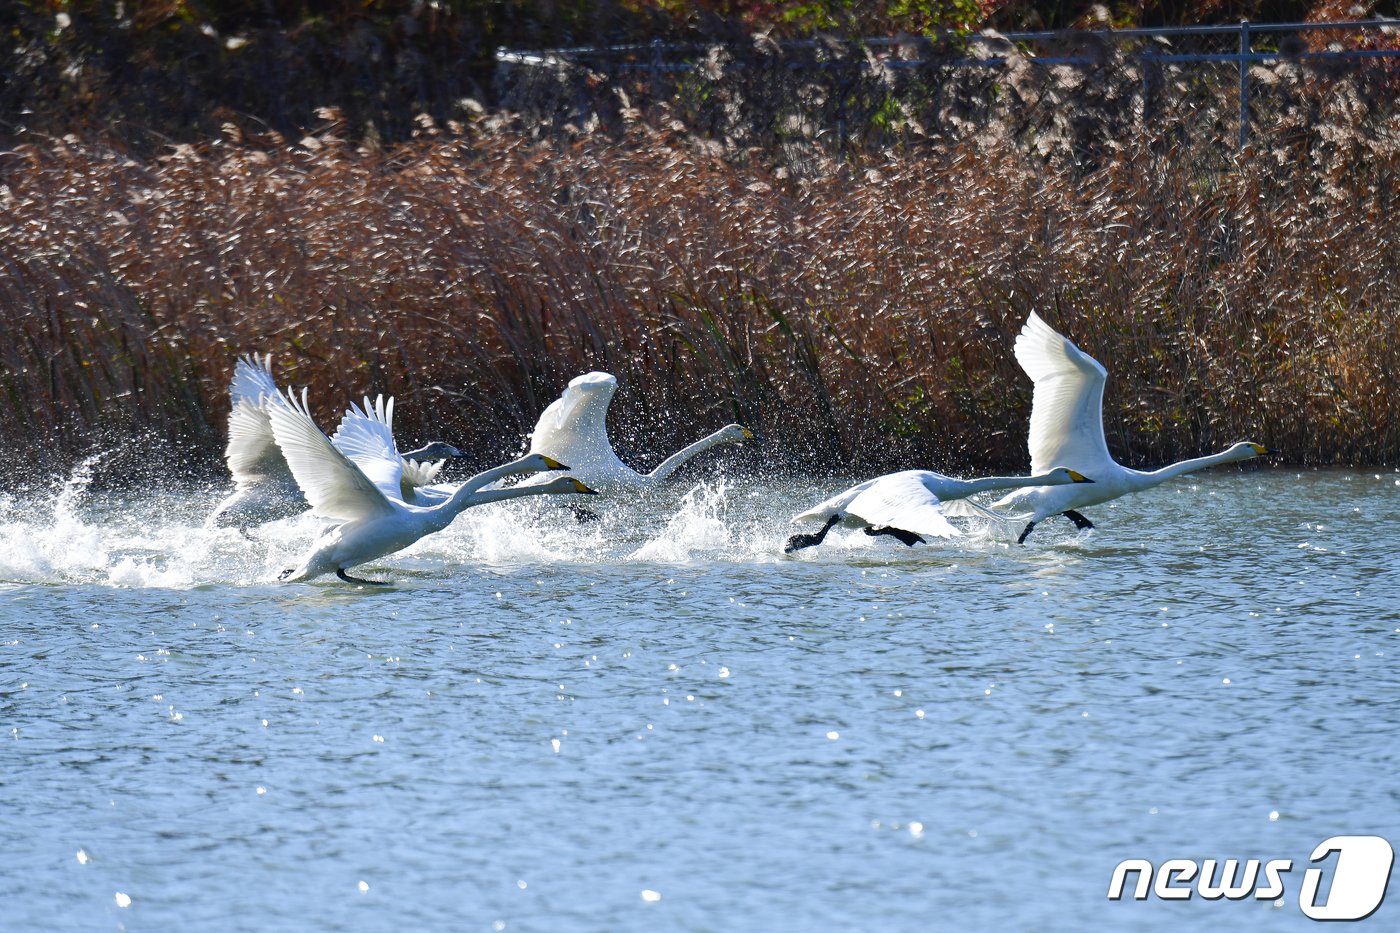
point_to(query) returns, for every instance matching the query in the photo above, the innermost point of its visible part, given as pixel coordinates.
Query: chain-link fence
(1072, 94)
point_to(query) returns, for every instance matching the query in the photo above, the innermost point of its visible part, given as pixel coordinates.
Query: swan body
(360, 490)
(908, 505)
(264, 488)
(1067, 428)
(574, 428)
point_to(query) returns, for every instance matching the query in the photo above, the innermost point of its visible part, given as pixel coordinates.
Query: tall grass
(857, 309)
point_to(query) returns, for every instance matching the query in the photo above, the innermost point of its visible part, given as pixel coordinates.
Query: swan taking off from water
(361, 437)
(1067, 428)
(361, 492)
(907, 505)
(574, 428)
(264, 488)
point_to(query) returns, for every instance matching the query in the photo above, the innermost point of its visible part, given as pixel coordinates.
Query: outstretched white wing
(335, 487)
(835, 505)
(252, 380)
(901, 500)
(573, 427)
(366, 436)
(1067, 404)
(966, 508)
(252, 453)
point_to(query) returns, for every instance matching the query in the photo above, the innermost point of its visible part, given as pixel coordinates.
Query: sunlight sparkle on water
(465, 686)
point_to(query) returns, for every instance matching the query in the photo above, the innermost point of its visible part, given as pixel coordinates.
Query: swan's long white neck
(1151, 478)
(989, 483)
(442, 514)
(486, 477)
(669, 465)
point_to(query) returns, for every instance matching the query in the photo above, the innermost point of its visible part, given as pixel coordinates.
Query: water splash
(42, 535)
(698, 528)
(161, 539)
(67, 535)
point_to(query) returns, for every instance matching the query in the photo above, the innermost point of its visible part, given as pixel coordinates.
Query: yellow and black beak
(583, 490)
(1261, 451)
(748, 435)
(552, 463)
(1078, 477)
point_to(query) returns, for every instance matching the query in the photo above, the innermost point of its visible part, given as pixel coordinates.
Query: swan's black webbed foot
(584, 516)
(286, 573)
(798, 542)
(1026, 533)
(899, 534)
(1080, 521)
(349, 579)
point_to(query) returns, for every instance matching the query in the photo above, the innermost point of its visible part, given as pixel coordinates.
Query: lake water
(660, 722)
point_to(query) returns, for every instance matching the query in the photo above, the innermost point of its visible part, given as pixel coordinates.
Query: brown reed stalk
(857, 310)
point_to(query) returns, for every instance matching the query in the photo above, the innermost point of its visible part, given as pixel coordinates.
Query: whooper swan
(573, 428)
(363, 496)
(907, 505)
(1067, 429)
(264, 489)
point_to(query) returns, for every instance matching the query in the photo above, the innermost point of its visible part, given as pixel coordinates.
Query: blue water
(659, 721)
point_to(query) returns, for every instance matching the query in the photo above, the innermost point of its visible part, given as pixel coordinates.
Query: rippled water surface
(659, 721)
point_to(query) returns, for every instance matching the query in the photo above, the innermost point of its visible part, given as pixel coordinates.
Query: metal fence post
(1244, 83)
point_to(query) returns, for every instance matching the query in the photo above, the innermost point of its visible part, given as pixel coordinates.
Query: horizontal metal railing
(658, 57)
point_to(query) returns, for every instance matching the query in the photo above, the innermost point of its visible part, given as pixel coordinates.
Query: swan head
(538, 463)
(1067, 476)
(569, 486)
(1246, 450)
(734, 434)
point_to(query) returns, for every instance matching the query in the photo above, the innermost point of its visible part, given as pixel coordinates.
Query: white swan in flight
(264, 489)
(907, 505)
(362, 437)
(361, 491)
(574, 429)
(1067, 428)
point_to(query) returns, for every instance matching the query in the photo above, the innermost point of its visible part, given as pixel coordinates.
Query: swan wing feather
(419, 473)
(366, 437)
(836, 504)
(252, 380)
(252, 453)
(1066, 426)
(334, 486)
(901, 500)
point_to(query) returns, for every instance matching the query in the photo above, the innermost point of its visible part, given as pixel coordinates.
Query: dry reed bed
(860, 316)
